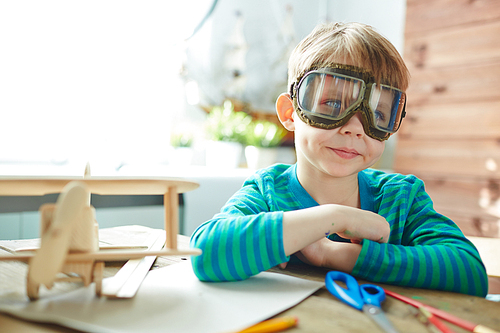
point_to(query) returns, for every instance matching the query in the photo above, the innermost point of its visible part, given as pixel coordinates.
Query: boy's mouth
(346, 153)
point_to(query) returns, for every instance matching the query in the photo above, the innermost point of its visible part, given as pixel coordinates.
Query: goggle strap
(292, 90)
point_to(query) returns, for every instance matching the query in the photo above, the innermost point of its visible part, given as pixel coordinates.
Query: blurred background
(154, 89)
(110, 82)
(161, 88)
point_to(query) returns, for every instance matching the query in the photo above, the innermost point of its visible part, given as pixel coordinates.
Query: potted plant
(262, 139)
(226, 131)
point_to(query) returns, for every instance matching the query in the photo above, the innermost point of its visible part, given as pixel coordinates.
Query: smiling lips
(346, 153)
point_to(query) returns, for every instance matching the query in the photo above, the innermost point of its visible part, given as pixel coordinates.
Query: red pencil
(435, 321)
(441, 314)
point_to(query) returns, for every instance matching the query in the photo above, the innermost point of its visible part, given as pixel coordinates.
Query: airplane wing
(117, 255)
(17, 257)
(108, 255)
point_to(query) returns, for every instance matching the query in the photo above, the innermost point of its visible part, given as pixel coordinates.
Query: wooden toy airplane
(69, 230)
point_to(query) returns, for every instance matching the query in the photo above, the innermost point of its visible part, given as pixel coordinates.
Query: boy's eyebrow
(383, 105)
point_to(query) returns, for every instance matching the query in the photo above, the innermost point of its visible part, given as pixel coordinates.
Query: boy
(346, 98)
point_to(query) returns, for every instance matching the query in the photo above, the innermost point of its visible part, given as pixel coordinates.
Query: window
(91, 79)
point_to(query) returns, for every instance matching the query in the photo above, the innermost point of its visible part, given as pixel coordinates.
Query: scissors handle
(351, 295)
(354, 294)
(365, 297)
(372, 294)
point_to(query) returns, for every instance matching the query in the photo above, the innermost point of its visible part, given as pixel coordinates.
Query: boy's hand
(363, 224)
(315, 254)
(304, 227)
(312, 254)
(326, 253)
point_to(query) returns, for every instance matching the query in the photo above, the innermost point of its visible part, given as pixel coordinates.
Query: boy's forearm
(342, 256)
(447, 267)
(237, 247)
(306, 226)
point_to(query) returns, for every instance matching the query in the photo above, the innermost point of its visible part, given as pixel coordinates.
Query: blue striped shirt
(425, 249)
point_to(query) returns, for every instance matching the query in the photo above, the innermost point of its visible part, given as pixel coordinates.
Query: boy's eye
(380, 116)
(334, 106)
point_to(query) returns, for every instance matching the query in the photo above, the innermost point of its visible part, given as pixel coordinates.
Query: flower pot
(258, 157)
(223, 154)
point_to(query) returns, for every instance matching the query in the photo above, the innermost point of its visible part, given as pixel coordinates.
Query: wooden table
(321, 312)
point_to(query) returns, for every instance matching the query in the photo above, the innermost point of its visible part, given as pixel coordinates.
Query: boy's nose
(354, 126)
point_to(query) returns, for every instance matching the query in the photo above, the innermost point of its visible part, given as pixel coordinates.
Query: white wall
(98, 80)
(91, 80)
(263, 21)
(265, 71)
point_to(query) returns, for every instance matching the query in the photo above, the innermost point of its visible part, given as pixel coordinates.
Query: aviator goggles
(328, 97)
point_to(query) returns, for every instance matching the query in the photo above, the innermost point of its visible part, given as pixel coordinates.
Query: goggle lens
(386, 105)
(327, 97)
(330, 96)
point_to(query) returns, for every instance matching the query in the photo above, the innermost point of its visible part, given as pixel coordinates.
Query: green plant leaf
(264, 133)
(225, 124)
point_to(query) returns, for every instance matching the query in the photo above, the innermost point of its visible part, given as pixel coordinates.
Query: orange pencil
(272, 325)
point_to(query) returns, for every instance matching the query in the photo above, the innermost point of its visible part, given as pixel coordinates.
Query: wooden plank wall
(451, 135)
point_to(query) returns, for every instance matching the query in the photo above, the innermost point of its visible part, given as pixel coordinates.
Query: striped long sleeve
(425, 249)
(246, 237)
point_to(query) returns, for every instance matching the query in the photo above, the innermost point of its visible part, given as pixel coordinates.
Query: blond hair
(356, 44)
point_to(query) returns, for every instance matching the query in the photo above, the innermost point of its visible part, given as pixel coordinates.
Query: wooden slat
(111, 255)
(475, 82)
(472, 120)
(451, 136)
(127, 281)
(472, 226)
(458, 158)
(97, 185)
(470, 203)
(431, 15)
(454, 47)
(470, 197)
(489, 249)
(171, 204)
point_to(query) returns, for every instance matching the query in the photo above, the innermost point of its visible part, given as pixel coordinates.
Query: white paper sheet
(171, 299)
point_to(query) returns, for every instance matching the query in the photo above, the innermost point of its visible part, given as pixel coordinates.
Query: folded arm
(425, 250)
(251, 235)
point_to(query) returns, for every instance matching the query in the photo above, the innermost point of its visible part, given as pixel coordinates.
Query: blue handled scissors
(365, 297)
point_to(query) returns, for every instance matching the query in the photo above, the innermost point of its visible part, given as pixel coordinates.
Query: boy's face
(327, 96)
(338, 152)
(341, 151)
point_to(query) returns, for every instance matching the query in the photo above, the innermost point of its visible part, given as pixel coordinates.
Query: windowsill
(145, 170)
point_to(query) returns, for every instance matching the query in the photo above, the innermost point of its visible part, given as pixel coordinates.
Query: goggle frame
(360, 105)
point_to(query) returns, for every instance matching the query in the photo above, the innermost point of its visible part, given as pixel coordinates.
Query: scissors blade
(379, 317)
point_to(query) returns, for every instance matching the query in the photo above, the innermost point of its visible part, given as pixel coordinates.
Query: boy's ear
(284, 108)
